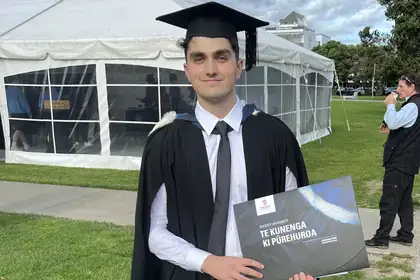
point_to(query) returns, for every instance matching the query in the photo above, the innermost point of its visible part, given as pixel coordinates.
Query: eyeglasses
(407, 79)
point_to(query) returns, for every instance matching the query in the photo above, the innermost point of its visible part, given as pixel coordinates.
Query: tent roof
(125, 29)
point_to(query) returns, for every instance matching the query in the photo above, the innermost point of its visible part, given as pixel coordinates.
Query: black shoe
(398, 240)
(375, 244)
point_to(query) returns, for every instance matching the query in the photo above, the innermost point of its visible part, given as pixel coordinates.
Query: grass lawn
(97, 178)
(37, 247)
(357, 153)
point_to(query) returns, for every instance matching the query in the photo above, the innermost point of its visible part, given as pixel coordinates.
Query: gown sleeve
(150, 180)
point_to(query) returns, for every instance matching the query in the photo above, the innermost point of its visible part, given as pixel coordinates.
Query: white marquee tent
(83, 82)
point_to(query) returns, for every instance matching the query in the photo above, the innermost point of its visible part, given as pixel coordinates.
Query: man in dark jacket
(401, 160)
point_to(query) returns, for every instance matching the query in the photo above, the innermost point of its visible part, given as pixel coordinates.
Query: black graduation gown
(175, 154)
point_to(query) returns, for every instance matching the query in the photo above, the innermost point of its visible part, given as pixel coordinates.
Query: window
(282, 96)
(54, 110)
(255, 76)
(315, 102)
(138, 97)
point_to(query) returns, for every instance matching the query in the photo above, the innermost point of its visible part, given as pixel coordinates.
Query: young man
(197, 165)
(401, 161)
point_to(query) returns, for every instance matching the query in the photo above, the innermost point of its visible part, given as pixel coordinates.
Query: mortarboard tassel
(250, 49)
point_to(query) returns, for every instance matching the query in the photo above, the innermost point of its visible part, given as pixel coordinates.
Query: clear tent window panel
(255, 95)
(307, 97)
(323, 97)
(73, 75)
(31, 136)
(30, 78)
(289, 99)
(310, 79)
(255, 76)
(242, 79)
(274, 76)
(278, 77)
(241, 93)
(77, 137)
(76, 103)
(130, 74)
(323, 81)
(180, 99)
(128, 139)
(281, 99)
(290, 120)
(133, 103)
(61, 98)
(275, 100)
(286, 79)
(172, 77)
(306, 121)
(28, 101)
(323, 118)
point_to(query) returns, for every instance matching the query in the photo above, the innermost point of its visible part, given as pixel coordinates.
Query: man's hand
(384, 129)
(390, 99)
(301, 276)
(231, 268)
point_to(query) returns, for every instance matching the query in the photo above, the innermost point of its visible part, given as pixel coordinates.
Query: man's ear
(186, 72)
(239, 68)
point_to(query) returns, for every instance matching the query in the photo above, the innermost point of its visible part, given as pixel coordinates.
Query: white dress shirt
(406, 117)
(167, 246)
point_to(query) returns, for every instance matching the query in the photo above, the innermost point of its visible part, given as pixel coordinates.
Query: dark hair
(183, 43)
(411, 79)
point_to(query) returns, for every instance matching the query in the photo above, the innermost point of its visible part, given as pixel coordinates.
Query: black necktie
(217, 238)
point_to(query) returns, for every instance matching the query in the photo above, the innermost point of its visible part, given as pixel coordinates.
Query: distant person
(18, 107)
(401, 160)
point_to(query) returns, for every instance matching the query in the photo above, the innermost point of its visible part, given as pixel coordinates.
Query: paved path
(118, 207)
(71, 202)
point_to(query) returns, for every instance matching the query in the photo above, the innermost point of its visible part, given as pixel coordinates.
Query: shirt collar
(209, 121)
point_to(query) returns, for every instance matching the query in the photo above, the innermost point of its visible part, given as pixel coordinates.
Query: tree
(375, 49)
(406, 32)
(369, 38)
(343, 56)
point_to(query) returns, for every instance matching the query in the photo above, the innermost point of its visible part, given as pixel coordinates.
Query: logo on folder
(265, 205)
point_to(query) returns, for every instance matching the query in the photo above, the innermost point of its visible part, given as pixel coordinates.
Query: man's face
(212, 68)
(404, 90)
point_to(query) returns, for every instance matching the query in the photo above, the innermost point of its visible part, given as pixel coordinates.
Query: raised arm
(403, 118)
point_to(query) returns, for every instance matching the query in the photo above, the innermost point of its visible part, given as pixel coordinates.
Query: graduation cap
(214, 20)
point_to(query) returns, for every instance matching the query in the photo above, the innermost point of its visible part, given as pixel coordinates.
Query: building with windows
(294, 28)
(322, 39)
(86, 90)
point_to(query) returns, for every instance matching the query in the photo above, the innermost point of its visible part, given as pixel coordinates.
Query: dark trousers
(396, 199)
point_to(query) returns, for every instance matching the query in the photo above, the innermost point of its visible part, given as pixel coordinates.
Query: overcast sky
(340, 19)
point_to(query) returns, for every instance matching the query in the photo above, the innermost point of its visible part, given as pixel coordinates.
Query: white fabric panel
(4, 113)
(16, 12)
(136, 36)
(103, 109)
(74, 160)
(313, 136)
(272, 50)
(104, 161)
(11, 67)
(97, 19)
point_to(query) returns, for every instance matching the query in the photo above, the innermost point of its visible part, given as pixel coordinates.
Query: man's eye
(223, 58)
